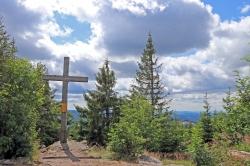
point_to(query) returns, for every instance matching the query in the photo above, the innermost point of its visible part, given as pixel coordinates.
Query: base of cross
(65, 146)
(63, 136)
(63, 132)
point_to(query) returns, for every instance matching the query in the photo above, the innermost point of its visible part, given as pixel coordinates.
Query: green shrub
(126, 141)
(127, 137)
(167, 135)
(203, 157)
(20, 98)
(74, 131)
(199, 150)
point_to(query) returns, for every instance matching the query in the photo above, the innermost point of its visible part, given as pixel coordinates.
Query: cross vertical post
(64, 106)
(65, 78)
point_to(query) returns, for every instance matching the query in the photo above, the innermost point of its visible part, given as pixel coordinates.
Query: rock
(148, 160)
(43, 150)
(6, 162)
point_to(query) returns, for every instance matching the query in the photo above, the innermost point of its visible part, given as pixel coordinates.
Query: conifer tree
(148, 82)
(206, 122)
(102, 106)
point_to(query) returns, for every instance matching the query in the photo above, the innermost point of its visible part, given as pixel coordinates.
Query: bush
(126, 141)
(20, 98)
(202, 157)
(167, 135)
(74, 131)
(126, 138)
(139, 129)
(199, 150)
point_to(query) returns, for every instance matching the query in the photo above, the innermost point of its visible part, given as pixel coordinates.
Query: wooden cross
(65, 78)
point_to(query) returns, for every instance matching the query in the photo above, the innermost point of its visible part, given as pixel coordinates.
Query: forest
(127, 126)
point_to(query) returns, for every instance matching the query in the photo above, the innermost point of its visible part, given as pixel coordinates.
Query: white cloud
(77, 50)
(194, 101)
(48, 28)
(138, 7)
(180, 27)
(82, 9)
(212, 67)
(188, 73)
(245, 9)
(230, 43)
(52, 29)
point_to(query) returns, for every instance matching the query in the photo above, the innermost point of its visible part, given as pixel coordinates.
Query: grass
(243, 147)
(178, 162)
(35, 153)
(101, 152)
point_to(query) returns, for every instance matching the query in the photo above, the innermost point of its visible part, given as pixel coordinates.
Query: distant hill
(192, 116)
(75, 114)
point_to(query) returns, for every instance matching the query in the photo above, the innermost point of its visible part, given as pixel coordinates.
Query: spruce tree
(102, 106)
(206, 122)
(148, 82)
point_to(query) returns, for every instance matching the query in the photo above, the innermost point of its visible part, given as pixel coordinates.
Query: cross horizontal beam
(65, 78)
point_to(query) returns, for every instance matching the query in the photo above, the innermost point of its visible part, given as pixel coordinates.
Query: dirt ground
(75, 154)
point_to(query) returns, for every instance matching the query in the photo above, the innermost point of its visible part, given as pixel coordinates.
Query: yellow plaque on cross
(64, 107)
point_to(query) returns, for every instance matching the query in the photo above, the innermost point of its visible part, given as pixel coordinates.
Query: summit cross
(65, 78)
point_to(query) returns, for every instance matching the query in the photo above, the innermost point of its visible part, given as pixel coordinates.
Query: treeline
(28, 113)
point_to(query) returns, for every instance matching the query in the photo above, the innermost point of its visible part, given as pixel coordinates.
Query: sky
(200, 43)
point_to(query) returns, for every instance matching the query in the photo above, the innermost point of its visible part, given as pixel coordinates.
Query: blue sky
(228, 9)
(200, 43)
(80, 30)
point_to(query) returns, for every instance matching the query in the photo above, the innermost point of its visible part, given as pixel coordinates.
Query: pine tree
(148, 83)
(102, 106)
(206, 122)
